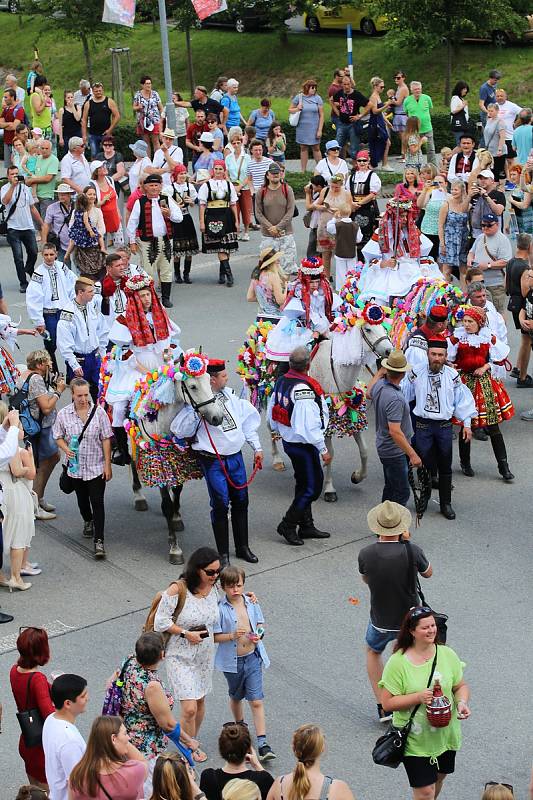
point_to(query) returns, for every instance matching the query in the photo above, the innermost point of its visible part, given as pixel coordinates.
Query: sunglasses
(211, 572)
(496, 783)
(419, 611)
(487, 224)
(332, 149)
(362, 160)
(230, 724)
(398, 77)
(29, 627)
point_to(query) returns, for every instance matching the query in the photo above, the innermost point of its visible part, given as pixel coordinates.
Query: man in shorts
(384, 567)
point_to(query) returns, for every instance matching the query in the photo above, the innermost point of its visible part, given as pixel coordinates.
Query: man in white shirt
(63, 744)
(75, 169)
(168, 156)
(508, 113)
(20, 213)
(462, 164)
(83, 93)
(9, 443)
(150, 231)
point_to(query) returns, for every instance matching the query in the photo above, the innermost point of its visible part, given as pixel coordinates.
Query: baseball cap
(274, 168)
(490, 218)
(486, 173)
(207, 137)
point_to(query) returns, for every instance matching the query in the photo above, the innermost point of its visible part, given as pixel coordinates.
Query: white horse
(195, 390)
(366, 341)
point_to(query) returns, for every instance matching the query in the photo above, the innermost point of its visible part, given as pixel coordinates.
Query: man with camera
(20, 212)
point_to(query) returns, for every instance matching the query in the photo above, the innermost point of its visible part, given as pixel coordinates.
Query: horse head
(194, 387)
(375, 328)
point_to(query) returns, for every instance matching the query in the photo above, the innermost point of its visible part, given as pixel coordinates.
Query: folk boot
(239, 523)
(445, 496)
(121, 456)
(165, 295)
(229, 274)
(307, 529)
(464, 456)
(177, 270)
(498, 446)
(221, 273)
(287, 527)
(187, 270)
(221, 533)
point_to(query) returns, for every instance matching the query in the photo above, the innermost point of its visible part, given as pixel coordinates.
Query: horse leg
(138, 497)
(277, 461)
(177, 521)
(330, 495)
(175, 555)
(360, 474)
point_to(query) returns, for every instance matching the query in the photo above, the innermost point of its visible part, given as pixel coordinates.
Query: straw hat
(389, 519)
(274, 257)
(396, 362)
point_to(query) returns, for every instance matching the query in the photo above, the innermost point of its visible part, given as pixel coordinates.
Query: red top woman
(475, 350)
(31, 690)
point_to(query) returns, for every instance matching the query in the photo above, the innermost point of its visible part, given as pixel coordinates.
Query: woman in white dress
(190, 652)
(18, 525)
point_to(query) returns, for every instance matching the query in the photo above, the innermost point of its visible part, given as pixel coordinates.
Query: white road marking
(54, 628)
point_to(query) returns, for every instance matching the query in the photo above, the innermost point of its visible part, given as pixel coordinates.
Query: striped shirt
(257, 171)
(91, 453)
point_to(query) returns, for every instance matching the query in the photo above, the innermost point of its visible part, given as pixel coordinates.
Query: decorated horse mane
(354, 311)
(253, 367)
(424, 294)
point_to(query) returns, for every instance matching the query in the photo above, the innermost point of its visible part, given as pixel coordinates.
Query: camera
(21, 178)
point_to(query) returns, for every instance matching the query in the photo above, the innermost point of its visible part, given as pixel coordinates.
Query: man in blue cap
(490, 253)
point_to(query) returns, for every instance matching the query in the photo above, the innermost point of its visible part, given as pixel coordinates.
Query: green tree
(74, 19)
(430, 23)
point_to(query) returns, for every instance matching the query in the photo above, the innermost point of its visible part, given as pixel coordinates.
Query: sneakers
(387, 168)
(383, 716)
(527, 383)
(527, 415)
(41, 513)
(29, 570)
(88, 530)
(244, 237)
(99, 550)
(266, 753)
(45, 505)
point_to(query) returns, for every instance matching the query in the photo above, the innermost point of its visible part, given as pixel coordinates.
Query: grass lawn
(262, 64)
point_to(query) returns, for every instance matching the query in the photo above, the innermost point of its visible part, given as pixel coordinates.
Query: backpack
(19, 401)
(296, 213)
(113, 697)
(26, 120)
(182, 596)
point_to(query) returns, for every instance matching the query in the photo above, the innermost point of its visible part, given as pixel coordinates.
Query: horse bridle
(374, 345)
(196, 406)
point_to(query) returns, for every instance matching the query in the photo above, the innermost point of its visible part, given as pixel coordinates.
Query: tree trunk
(154, 25)
(449, 61)
(190, 66)
(87, 55)
(283, 37)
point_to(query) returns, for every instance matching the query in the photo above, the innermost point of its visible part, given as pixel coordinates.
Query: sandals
(199, 756)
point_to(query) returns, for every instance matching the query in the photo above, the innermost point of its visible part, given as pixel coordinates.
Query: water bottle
(74, 445)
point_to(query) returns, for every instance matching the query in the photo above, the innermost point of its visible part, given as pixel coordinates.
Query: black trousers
(90, 496)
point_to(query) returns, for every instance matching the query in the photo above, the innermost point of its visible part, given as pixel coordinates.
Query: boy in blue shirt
(241, 654)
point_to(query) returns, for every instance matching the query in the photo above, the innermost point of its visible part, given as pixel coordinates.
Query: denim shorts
(247, 682)
(378, 640)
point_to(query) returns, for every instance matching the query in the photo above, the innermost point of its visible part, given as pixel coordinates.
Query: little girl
(276, 143)
(83, 234)
(347, 234)
(412, 142)
(33, 149)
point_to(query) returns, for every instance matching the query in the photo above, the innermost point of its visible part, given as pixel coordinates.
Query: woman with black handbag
(459, 121)
(407, 682)
(31, 691)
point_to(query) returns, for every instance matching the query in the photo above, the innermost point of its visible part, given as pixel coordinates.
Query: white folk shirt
(219, 190)
(50, 288)
(159, 161)
(306, 425)
(159, 227)
(439, 395)
(8, 331)
(81, 329)
(495, 321)
(150, 355)
(239, 425)
(462, 176)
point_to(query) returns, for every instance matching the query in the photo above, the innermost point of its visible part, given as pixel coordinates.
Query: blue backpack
(19, 401)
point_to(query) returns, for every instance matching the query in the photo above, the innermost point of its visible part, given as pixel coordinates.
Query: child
(184, 233)
(445, 158)
(249, 136)
(412, 143)
(241, 654)
(276, 143)
(34, 149)
(82, 233)
(347, 234)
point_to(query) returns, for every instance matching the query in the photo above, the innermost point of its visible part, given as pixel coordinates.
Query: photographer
(485, 198)
(44, 391)
(20, 208)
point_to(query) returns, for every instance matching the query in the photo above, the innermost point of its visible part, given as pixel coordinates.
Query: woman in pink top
(111, 768)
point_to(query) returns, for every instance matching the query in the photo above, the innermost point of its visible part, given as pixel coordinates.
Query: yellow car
(322, 18)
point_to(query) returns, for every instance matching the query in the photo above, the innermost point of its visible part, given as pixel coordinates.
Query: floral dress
(189, 666)
(455, 238)
(143, 730)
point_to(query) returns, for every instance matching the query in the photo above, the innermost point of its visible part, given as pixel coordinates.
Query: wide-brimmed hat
(389, 519)
(64, 187)
(396, 362)
(140, 148)
(333, 145)
(207, 138)
(169, 132)
(94, 165)
(264, 253)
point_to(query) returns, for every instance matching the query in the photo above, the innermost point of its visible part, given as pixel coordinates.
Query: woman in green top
(429, 752)
(41, 113)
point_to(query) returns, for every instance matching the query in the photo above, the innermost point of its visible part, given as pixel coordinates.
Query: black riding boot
(221, 273)
(445, 496)
(121, 457)
(498, 446)
(165, 294)
(177, 270)
(239, 523)
(287, 526)
(229, 274)
(464, 457)
(187, 270)
(307, 529)
(221, 532)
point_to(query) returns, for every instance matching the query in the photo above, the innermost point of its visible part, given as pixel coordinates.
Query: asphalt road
(315, 635)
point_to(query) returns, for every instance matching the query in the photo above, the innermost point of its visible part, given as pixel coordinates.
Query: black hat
(216, 365)
(153, 179)
(438, 344)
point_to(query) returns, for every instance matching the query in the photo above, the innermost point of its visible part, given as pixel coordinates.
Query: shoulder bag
(113, 697)
(30, 721)
(389, 748)
(4, 218)
(182, 597)
(441, 619)
(66, 481)
(294, 116)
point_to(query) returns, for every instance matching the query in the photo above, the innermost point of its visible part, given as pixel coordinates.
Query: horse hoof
(330, 497)
(176, 558)
(279, 466)
(355, 479)
(141, 504)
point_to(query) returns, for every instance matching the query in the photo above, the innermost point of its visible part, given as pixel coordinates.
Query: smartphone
(201, 629)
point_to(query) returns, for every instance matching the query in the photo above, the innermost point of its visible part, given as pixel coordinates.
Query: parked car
(9, 5)
(252, 18)
(503, 38)
(358, 15)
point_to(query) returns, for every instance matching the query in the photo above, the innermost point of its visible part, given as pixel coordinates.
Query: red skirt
(492, 401)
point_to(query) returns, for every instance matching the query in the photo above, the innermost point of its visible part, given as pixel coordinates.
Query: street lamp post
(169, 107)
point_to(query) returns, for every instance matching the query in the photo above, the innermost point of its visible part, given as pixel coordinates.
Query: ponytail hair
(307, 746)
